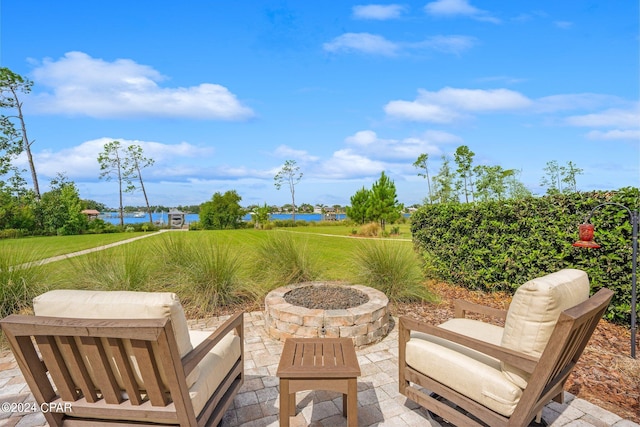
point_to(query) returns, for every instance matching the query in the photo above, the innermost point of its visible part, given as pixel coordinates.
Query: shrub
(391, 268)
(500, 245)
(20, 280)
(282, 260)
(372, 229)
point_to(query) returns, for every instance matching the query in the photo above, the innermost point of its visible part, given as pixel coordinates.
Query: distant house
(176, 218)
(91, 213)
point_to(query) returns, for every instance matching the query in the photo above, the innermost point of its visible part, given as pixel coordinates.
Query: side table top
(318, 358)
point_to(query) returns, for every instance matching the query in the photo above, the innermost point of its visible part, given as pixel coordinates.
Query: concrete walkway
(379, 403)
(87, 251)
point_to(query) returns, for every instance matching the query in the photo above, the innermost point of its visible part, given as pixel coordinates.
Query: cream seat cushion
(534, 312)
(467, 371)
(84, 304)
(214, 367)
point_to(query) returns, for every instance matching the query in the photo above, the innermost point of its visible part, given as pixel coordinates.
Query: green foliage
(383, 203)
(222, 212)
(20, 281)
(125, 268)
(281, 260)
(393, 269)
(499, 245)
(60, 209)
(261, 216)
(111, 161)
(210, 274)
(357, 212)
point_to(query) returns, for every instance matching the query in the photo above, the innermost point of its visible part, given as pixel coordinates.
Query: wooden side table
(318, 364)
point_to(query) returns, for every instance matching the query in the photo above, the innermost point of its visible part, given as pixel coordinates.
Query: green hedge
(500, 245)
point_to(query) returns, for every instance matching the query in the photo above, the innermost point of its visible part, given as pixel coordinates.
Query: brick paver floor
(379, 403)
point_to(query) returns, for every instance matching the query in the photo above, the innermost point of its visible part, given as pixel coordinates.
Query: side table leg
(284, 403)
(352, 403)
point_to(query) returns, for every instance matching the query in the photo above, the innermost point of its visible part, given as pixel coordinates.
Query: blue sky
(222, 93)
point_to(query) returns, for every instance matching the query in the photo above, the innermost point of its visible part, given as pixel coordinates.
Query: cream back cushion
(82, 304)
(534, 311)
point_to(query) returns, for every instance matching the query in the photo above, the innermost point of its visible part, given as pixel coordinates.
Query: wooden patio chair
(95, 358)
(473, 373)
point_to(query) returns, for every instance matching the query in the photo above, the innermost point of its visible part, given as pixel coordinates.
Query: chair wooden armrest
(463, 307)
(191, 359)
(521, 360)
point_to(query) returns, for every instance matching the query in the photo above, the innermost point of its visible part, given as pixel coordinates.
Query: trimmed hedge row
(499, 245)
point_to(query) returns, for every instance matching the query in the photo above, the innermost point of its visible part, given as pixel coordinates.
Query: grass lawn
(42, 247)
(332, 255)
(348, 230)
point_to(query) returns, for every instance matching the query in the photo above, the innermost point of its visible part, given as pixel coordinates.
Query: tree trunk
(144, 192)
(26, 145)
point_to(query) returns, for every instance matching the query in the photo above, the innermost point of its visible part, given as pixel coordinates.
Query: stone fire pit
(327, 309)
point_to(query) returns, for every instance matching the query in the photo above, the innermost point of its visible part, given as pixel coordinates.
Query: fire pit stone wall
(365, 324)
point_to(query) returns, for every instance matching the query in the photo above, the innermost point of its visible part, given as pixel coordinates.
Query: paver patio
(379, 402)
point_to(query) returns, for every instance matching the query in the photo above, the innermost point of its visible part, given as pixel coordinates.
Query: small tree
(134, 162)
(112, 166)
(60, 209)
(261, 215)
(464, 159)
(11, 141)
(445, 191)
(421, 163)
(359, 206)
(569, 173)
(383, 206)
(291, 175)
(222, 212)
(552, 179)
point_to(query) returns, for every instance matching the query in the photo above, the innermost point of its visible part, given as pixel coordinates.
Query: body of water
(161, 217)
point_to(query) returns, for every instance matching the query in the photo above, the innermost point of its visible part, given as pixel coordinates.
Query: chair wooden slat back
(82, 372)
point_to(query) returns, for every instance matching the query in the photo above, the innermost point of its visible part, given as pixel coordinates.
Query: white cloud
(348, 164)
(377, 45)
(367, 143)
(82, 85)
(362, 42)
(609, 118)
(80, 162)
(420, 112)
(575, 101)
(451, 8)
(447, 44)
(450, 104)
(286, 152)
(378, 11)
(631, 135)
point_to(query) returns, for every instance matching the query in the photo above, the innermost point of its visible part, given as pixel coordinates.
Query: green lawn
(148, 264)
(49, 246)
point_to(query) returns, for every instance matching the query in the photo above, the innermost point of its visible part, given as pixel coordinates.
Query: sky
(221, 93)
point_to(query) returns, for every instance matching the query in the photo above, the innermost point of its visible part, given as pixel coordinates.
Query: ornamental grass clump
(20, 280)
(392, 268)
(211, 278)
(125, 268)
(282, 260)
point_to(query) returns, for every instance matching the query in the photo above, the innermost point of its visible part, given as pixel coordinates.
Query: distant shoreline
(112, 217)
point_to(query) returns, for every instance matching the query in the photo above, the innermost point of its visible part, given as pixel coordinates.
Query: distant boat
(138, 215)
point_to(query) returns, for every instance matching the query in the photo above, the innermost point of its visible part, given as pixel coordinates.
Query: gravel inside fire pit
(326, 297)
